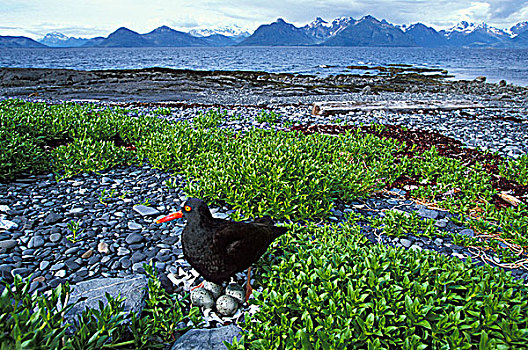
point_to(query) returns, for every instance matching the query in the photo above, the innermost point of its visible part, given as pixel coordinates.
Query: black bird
(217, 248)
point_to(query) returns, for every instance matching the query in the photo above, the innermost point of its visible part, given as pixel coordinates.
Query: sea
(461, 63)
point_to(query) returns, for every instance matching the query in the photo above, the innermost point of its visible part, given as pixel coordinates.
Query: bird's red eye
(187, 208)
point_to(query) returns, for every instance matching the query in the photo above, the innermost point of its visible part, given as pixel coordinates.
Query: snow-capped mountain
(322, 30)
(369, 31)
(56, 39)
(235, 32)
(475, 35)
(518, 29)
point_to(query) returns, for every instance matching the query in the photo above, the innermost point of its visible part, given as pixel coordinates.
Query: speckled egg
(226, 305)
(202, 298)
(237, 292)
(213, 288)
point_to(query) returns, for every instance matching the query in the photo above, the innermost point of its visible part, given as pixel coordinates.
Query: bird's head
(193, 209)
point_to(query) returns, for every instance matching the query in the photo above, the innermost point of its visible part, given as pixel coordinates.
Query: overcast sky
(34, 18)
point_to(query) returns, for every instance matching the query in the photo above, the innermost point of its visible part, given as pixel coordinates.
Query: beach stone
(133, 289)
(467, 232)
(22, 271)
(72, 250)
(76, 212)
(226, 305)
(428, 213)
(5, 270)
(143, 210)
(219, 215)
(405, 242)
(53, 218)
(36, 242)
(57, 266)
(211, 339)
(122, 251)
(134, 226)
(60, 273)
(55, 237)
(7, 225)
(102, 248)
(8, 244)
(44, 265)
(137, 257)
(125, 262)
(134, 238)
(87, 254)
(442, 223)
(138, 267)
(202, 298)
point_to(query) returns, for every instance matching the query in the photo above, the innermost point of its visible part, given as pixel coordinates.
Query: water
(495, 64)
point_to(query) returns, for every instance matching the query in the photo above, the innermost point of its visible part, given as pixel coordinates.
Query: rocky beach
(101, 225)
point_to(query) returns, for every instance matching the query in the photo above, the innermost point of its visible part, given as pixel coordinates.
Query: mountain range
(344, 31)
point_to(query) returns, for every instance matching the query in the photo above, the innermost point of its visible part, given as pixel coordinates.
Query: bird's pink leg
(198, 286)
(249, 289)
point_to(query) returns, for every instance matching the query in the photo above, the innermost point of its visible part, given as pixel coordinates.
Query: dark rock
(166, 283)
(428, 213)
(212, 339)
(22, 271)
(467, 232)
(8, 244)
(134, 238)
(143, 210)
(53, 218)
(133, 289)
(138, 256)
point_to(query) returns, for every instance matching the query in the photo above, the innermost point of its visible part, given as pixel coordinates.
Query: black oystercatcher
(217, 248)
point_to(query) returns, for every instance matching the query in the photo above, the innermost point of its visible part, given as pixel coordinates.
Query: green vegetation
(269, 117)
(75, 228)
(36, 321)
(329, 288)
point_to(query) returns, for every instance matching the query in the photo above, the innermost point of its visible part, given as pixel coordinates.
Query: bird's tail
(277, 231)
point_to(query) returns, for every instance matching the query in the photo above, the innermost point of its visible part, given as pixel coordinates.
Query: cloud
(101, 17)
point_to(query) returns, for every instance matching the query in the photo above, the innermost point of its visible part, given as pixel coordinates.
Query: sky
(83, 18)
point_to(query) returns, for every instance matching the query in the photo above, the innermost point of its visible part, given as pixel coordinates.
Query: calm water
(495, 64)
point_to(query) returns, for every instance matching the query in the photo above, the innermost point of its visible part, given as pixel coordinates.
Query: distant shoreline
(232, 87)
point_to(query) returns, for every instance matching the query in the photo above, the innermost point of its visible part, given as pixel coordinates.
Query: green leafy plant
(75, 228)
(331, 289)
(40, 321)
(266, 116)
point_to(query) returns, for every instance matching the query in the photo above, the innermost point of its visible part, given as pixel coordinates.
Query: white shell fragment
(237, 292)
(202, 298)
(226, 305)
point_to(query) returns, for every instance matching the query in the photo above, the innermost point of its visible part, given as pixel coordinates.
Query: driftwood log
(328, 108)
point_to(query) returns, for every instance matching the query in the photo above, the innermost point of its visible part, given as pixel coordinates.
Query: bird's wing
(228, 239)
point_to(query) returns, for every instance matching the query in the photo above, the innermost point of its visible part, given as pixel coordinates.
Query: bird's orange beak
(177, 215)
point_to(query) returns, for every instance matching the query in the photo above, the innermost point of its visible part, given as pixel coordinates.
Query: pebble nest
(117, 233)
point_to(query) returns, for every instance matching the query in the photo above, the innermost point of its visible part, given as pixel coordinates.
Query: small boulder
(212, 339)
